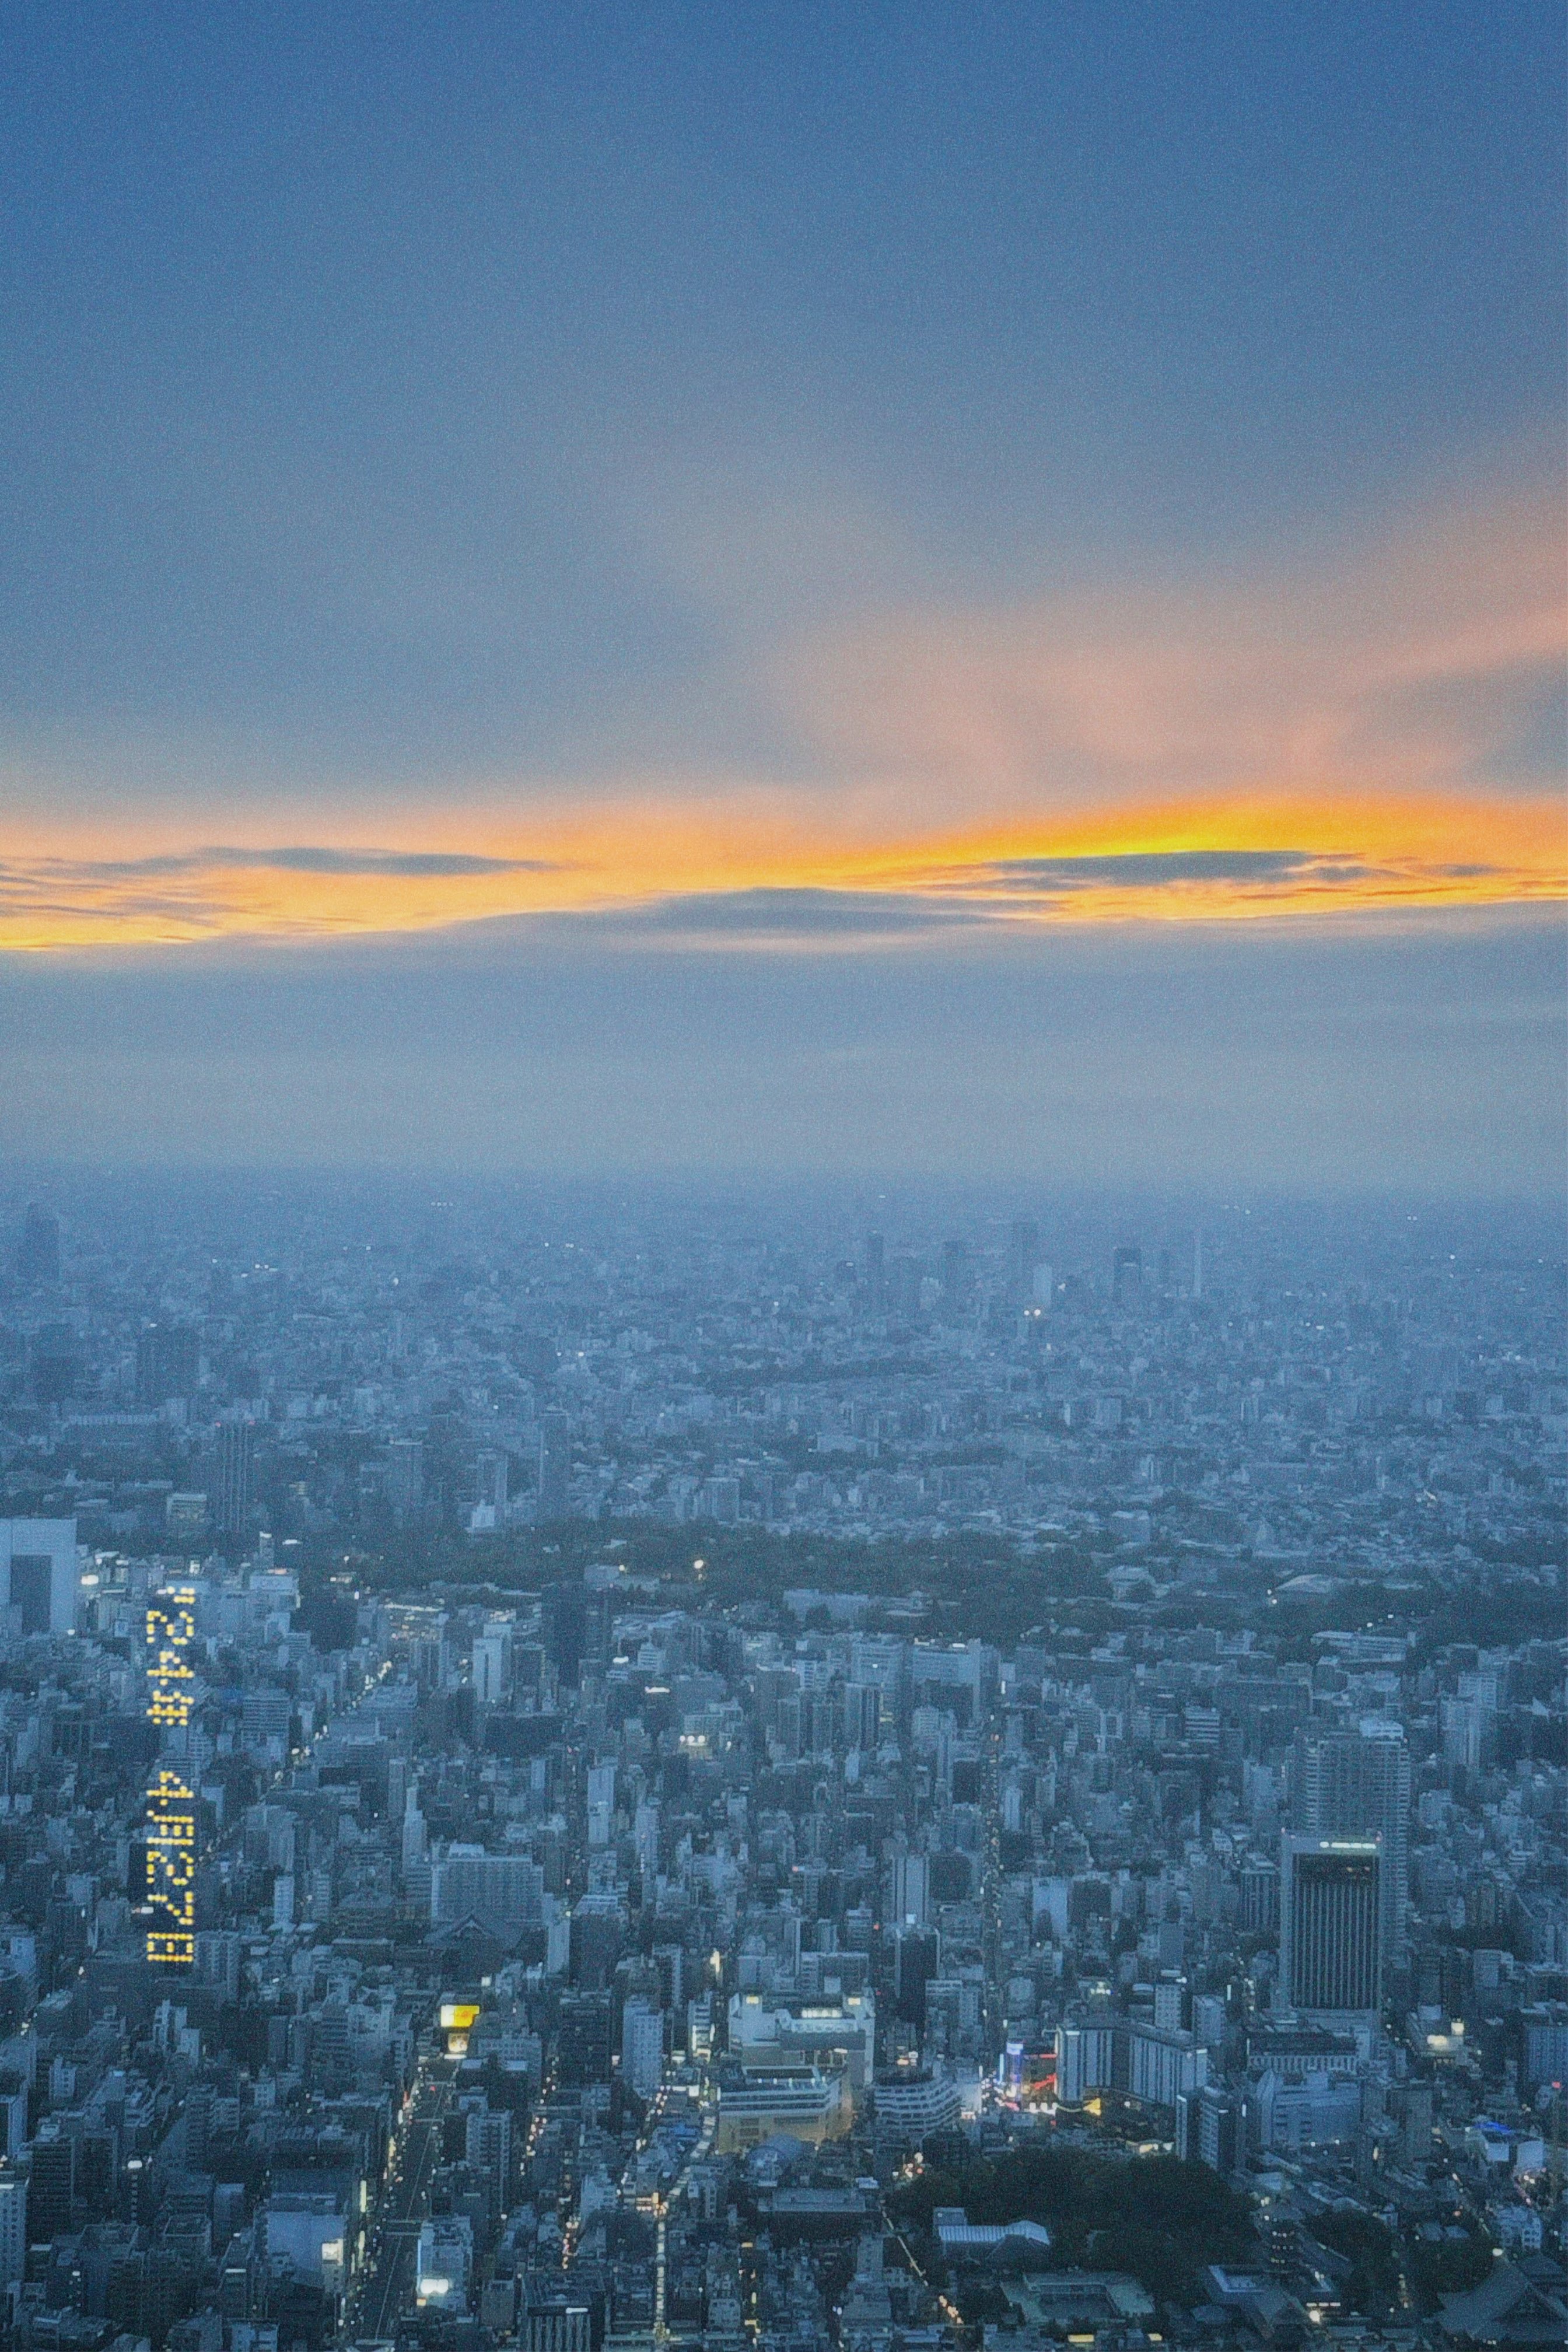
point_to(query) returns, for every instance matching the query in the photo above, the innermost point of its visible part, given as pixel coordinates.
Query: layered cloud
(1426, 664)
(1377, 732)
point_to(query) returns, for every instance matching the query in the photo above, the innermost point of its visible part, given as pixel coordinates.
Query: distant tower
(1023, 1255)
(555, 1468)
(404, 1476)
(55, 1363)
(38, 1251)
(233, 1481)
(1330, 1925)
(168, 1364)
(1356, 1784)
(1127, 1275)
(1197, 1266)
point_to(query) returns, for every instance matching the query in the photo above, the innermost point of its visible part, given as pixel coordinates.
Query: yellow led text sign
(171, 1807)
(171, 1868)
(171, 1629)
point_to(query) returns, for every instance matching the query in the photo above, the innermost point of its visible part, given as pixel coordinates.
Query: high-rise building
(13, 2228)
(50, 2188)
(1023, 1255)
(1356, 1784)
(404, 1476)
(583, 2039)
(1259, 1891)
(642, 2045)
(1330, 1925)
(917, 1955)
(862, 1715)
(232, 1479)
(55, 1362)
(168, 1364)
(1127, 1275)
(38, 1574)
(487, 2148)
(598, 1936)
(1208, 2128)
(491, 1661)
(492, 1478)
(554, 1469)
(1086, 2060)
(38, 1251)
(909, 1891)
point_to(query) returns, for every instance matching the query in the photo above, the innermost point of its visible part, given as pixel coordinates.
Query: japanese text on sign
(171, 1868)
(171, 1629)
(171, 1808)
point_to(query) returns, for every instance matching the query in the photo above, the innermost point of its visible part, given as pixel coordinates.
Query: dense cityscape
(779, 1772)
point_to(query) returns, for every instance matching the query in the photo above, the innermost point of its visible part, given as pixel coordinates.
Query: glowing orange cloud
(1348, 740)
(1220, 860)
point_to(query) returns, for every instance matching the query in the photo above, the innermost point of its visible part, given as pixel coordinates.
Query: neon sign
(171, 1806)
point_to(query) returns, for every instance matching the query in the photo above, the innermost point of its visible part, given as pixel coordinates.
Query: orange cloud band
(1230, 859)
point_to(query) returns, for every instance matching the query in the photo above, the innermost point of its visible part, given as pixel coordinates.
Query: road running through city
(387, 2284)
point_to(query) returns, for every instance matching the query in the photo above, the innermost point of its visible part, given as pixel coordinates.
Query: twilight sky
(959, 590)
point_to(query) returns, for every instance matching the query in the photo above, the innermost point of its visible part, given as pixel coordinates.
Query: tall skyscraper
(487, 2148)
(50, 2188)
(1127, 1275)
(404, 1476)
(1356, 1784)
(13, 2228)
(909, 1891)
(38, 1251)
(232, 1479)
(168, 1364)
(492, 1478)
(555, 1468)
(642, 2045)
(1330, 1925)
(1023, 1256)
(55, 1363)
(917, 1955)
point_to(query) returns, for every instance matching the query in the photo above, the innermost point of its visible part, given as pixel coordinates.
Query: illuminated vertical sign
(171, 1629)
(171, 1806)
(171, 1869)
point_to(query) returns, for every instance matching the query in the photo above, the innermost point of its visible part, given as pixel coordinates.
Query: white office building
(38, 1575)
